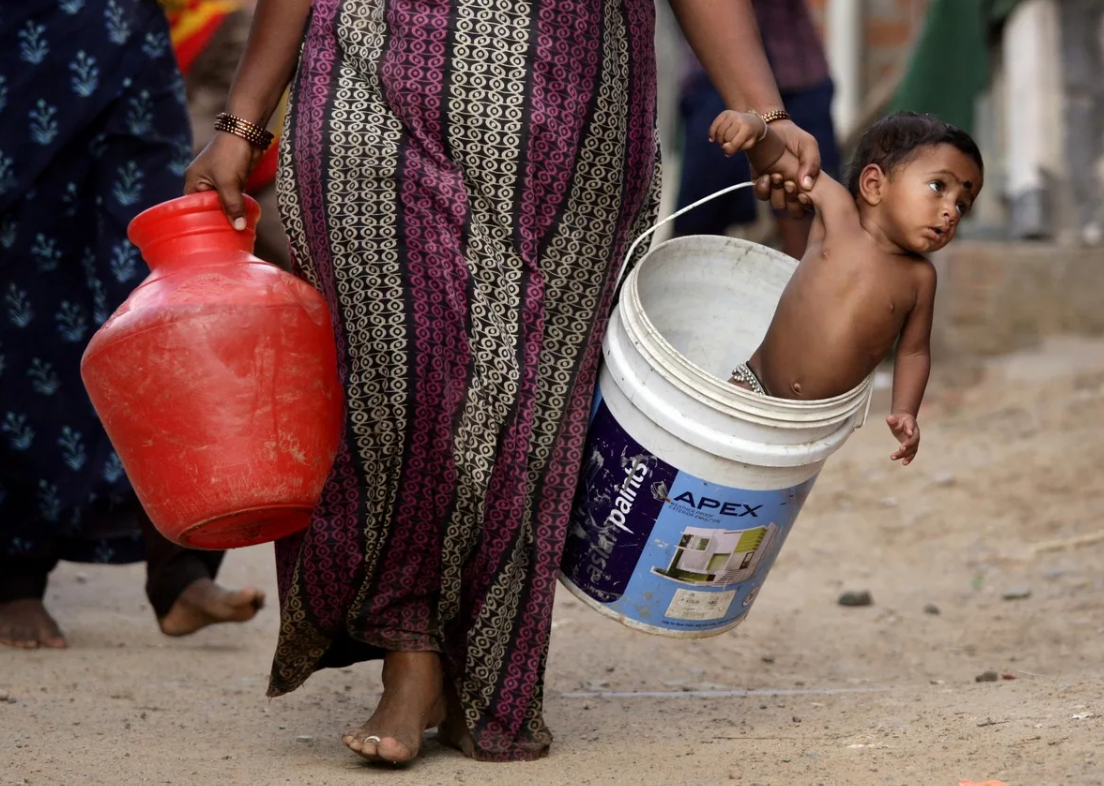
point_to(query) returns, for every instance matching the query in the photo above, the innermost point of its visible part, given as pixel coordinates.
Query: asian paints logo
(635, 473)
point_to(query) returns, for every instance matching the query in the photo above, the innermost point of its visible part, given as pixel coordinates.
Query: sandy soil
(1006, 495)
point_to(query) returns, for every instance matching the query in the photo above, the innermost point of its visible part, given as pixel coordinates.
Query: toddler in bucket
(864, 281)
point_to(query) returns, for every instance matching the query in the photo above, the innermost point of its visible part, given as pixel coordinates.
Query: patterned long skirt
(461, 180)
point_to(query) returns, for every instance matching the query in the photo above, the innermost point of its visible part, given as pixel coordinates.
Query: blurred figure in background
(95, 130)
(800, 67)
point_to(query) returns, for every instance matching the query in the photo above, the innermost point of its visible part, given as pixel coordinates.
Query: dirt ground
(1006, 497)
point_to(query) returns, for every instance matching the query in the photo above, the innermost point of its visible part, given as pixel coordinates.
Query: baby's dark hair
(896, 138)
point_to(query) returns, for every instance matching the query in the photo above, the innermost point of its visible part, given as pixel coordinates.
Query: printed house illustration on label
(718, 557)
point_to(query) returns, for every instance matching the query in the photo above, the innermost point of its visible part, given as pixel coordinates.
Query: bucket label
(663, 547)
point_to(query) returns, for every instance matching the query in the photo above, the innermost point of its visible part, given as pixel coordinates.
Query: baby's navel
(796, 388)
(892, 307)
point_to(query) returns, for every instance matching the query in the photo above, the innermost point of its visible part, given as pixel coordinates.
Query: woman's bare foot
(453, 731)
(413, 700)
(205, 603)
(25, 624)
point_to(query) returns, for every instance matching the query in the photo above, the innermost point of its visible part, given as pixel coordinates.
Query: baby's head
(919, 175)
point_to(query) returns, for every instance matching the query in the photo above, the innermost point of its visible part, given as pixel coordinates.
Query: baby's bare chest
(874, 292)
(855, 273)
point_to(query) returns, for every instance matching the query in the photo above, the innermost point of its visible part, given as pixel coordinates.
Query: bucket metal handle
(625, 266)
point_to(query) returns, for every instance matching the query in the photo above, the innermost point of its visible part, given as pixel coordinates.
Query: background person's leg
(24, 621)
(171, 569)
(180, 585)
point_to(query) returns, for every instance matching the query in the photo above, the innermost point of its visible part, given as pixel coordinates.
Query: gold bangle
(251, 132)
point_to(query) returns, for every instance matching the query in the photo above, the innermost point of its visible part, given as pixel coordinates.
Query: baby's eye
(962, 208)
(936, 186)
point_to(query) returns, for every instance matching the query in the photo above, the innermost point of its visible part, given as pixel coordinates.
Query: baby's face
(928, 197)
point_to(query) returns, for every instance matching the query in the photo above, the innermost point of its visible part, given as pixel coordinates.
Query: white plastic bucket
(689, 484)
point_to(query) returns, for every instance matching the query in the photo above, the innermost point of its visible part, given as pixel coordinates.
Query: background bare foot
(205, 603)
(26, 624)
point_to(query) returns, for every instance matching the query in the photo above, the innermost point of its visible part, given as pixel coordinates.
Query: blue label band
(663, 547)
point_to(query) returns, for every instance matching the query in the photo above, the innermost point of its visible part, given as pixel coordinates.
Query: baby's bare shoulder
(835, 206)
(917, 282)
(923, 273)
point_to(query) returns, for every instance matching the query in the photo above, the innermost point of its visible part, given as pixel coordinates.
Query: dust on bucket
(689, 485)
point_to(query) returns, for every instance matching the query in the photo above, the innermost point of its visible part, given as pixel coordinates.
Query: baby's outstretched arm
(911, 368)
(836, 211)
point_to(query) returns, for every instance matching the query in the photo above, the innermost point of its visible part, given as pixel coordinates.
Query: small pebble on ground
(856, 598)
(931, 608)
(987, 676)
(1017, 593)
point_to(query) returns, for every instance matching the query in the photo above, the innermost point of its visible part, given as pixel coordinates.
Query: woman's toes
(367, 745)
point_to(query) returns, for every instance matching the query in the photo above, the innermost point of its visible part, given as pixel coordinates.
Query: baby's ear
(872, 184)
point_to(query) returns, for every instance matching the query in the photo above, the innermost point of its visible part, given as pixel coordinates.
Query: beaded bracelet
(251, 132)
(768, 118)
(775, 114)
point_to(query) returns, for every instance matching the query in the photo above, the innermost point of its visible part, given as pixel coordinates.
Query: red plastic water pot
(217, 382)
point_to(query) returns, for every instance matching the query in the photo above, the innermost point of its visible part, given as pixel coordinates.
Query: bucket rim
(709, 388)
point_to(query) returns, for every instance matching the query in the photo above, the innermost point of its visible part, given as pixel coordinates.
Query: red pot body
(217, 382)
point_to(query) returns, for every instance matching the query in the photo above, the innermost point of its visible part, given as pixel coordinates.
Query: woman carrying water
(460, 179)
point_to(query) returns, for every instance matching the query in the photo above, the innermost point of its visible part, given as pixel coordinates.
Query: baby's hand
(907, 432)
(736, 131)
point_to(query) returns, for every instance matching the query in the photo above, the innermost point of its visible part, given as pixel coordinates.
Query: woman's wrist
(254, 134)
(765, 152)
(771, 118)
(250, 108)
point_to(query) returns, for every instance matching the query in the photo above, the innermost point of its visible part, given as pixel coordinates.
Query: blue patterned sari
(95, 130)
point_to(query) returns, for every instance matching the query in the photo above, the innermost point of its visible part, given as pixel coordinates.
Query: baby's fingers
(907, 450)
(738, 140)
(721, 130)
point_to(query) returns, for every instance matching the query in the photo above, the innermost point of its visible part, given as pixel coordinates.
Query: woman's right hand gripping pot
(224, 166)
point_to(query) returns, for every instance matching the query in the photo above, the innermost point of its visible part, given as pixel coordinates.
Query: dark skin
(864, 281)
(26, 624)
